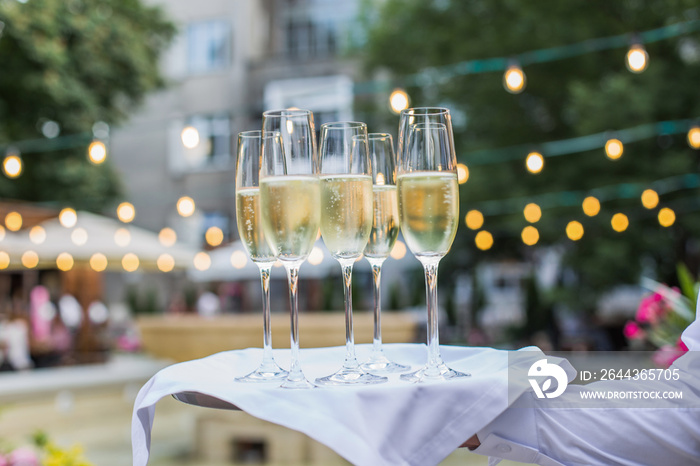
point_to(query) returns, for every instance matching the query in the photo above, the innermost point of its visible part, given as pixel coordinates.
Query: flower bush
(44, 453)
(662, 316)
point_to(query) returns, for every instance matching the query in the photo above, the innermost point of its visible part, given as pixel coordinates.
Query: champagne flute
(290, 197)
(250, 230)
(429, 211)
(385, 229)
(346, 221)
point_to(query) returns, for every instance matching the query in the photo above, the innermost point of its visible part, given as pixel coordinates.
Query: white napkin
(395, 423)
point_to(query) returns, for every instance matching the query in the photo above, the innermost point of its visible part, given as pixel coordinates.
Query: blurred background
(577, 134)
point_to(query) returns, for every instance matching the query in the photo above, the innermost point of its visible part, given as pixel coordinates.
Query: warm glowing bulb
(79, 236)
(13, 221)
(2, 232)
(530, 235)
(619, 222)
(613, 149)
(532, 212)
(68, 217)
(514, 79)
(185, 206)
(214, 236)
(694, 137)
(667, 217)
(474, 219)
(98, 262)
(122, 237)
(126, 212)
(534, 162)
(37, 234)
(650, 198)
(484, 240)
(591, 206)
(167, 237)
(202, 261)
(165, 263)
(398, 100)
(398, 252)
(30, 259)
(316, 256)
(12, 166)
(462, 173)
(64, 262)
(238, 259)
(97, 152)
(190, 137)
(4, 260)
(130, 262)
(637, 59)
(574, 230)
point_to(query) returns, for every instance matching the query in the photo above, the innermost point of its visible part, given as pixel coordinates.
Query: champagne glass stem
(431, 275)
(295, 373)
(350, 359)
(267, 330)
(377, 275)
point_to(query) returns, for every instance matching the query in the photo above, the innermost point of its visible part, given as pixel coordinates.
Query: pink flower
(3, 461)
(664, 356)
(651, 308)
(633, 331)
(24, 457)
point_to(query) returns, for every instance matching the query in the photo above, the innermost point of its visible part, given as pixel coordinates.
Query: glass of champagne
(346, 221)
(385, 229)
(429, 211)
(250, 230)
(289, 200)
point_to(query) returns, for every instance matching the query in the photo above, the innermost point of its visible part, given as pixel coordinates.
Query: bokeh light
(4, 260)
(532, 212)
(619, 222)
(79, 236)
(37, 234)
(534, 162)
(122, 237)
(614, 149)
(667, 217)
(694, 137)
(167, 237)
(30, 259)
(97, 152)
(98, 262)
(650, 198)
(474, 219)
(214, 236)
(591, 206)
(202, 261)
(637, 59)
(13, 221)
(64, 262)
(530, 235)
(398, 252)
(165, 263)
(484, 240)
(462, 173)
(12, 165)
(514, 79)
(68, 217)
(130, 262)
(190, 137)
(126, 212)
(316, 256)
(398, 100)
(574, 230)
(185, 206)
(238, 259)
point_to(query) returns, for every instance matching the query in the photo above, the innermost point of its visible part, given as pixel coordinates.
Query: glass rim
(344, 125)
(285, 112)
(256, 133)
(425, 111)
(380, 136)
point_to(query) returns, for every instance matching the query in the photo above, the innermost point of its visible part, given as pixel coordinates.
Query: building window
(208, 46)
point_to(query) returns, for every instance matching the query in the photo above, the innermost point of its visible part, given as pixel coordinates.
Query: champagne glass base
(264, 373)
(438, 373)
(346, 376)
(380, 364)
(298, 381)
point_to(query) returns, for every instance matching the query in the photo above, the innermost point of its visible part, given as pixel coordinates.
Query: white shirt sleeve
(563, 431)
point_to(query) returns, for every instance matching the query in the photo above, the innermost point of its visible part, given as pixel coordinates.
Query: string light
(591, 206)
(79, 236)
(98, 262)
(316, 256)
(37, 234)
(530, 235)
(574, 230)
(13, 221)
(2, 232)
(532, 212)
(214, 236)
(637, 58)
(64, 262)
(398, 100)
(68, 217)
(202, 261)
(167, 237)
(474, 219)
(190, 137)
(4, 260)
(165, 262)
(126, 212)
(650, 198)
(238, 259)
(667, 217)
(694, 137)
(614, 149)
(462, 173)
(185, 206)
(534, 162)
(97, 152)
(398, 252)
(130, 262)
(619, 222)
(122, 237)
(12, 164)
(483, 240)
(30, 259)
(514, 79)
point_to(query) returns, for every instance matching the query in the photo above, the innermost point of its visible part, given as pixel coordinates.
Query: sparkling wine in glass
(248, 218)
(429, 211)
(385, 229)
(346, 221)
(290, 199)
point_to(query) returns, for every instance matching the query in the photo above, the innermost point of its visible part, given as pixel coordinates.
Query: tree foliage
(577, 96)
(73, 62)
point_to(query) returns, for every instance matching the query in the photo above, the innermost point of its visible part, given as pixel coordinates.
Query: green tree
(581, 95)
(75, 63)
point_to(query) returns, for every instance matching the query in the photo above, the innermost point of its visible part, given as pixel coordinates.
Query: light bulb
(97, 152)
(534, 162)
(12, 165)
(530, 235)
(614, 149)
(514, 79)
(190, 137)
(574, 230)
(637, 59)
(398, 100)
(185, 206)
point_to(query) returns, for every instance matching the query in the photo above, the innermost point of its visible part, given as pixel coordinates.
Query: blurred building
(231, 60)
